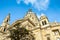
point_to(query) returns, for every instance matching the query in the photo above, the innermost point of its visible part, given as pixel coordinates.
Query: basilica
(41, 28)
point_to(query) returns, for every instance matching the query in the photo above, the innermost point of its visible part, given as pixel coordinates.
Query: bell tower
(43, 21)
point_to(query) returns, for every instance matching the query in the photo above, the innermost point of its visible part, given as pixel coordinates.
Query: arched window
(44, 22)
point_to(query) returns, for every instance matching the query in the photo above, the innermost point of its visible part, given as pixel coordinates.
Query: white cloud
(18, 1)
(38, 4)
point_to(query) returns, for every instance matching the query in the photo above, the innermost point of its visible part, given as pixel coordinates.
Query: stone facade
(41, 28)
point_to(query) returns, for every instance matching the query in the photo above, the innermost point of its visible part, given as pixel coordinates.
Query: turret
(7, 19)
(43, 21)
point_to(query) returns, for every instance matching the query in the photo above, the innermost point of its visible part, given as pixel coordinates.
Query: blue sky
(18, 9)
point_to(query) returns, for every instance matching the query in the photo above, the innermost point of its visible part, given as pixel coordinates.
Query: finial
(9, 14)
(30, 10)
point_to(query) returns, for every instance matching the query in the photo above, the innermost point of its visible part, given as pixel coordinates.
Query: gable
(27, 25)
(32, 17)
(23, 23)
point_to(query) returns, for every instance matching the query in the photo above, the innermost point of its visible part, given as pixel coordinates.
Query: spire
(7, 19)
(5, 23)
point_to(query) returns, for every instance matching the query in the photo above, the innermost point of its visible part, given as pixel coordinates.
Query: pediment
(27, 25)
(23, 23)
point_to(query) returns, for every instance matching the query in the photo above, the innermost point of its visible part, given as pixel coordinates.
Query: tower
(43, 21)
(5, 23)
(32, 17)
(7, 19)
